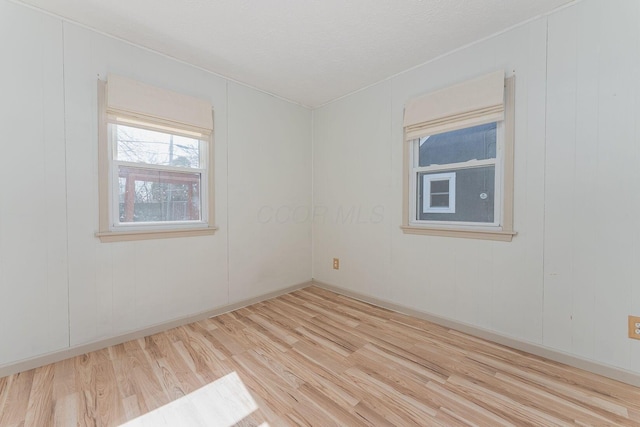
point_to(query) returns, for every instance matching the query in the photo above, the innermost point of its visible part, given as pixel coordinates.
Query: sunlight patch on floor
(223, 403)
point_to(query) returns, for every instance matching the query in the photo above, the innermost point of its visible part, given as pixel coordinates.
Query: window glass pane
(440, 200)
(155, 148)
(158, 196)
(474, 196)
(478, 142)
(440, 186)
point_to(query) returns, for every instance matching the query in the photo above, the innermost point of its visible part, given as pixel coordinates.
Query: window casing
(155, 173)
(473, 154)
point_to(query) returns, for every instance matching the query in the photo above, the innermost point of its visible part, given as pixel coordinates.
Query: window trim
(106, 233)
(502, 232)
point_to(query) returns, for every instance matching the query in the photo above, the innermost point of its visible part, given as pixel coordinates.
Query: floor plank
(313, 358)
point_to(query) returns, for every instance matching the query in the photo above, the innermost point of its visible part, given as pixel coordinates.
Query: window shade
(134, 99)
(471, 103)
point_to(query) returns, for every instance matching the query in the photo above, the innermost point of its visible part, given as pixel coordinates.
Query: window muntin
(469, 155)
(158, 177)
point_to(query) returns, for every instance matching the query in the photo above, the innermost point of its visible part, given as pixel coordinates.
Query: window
(467, 154)
(157, 177)
(459, 161)
(155, 163)
(438, 193)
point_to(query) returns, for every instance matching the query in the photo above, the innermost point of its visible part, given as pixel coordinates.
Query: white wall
(270, 181)
(592, 228)
(33, 223)
(352, 188)
(59, 285)
(568, 280)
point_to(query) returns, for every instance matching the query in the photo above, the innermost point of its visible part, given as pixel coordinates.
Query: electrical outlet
(634, 327)
(336, 263)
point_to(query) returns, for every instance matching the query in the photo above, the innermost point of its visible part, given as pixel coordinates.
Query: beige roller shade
(471, 103)
(130, 98)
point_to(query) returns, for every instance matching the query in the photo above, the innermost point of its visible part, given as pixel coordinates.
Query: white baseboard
(608, 371)
(536, 349)
(56, 356)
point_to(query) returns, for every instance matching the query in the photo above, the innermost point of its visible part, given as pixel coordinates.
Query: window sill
(127, 236)
(464, 233)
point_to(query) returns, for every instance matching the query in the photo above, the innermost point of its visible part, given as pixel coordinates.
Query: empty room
(320, 213)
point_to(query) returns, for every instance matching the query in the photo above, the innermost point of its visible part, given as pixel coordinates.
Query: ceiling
(307, 51)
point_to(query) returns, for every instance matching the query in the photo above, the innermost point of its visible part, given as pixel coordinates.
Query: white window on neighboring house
(438, 192)
(156, 177)
(459, 147)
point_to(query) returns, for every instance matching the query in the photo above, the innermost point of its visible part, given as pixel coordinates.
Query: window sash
(177, 177)
(498, 162)
(114, 188)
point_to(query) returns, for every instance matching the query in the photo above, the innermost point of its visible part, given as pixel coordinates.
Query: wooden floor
(313, 358)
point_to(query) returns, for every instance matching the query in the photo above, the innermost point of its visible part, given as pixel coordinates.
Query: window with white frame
(157, 176)
(438, 192)
(155, 163)
(459, 147)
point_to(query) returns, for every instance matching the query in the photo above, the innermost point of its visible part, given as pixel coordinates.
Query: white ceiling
(307, 51)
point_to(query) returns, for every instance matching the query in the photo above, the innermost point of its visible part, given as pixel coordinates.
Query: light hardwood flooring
(313, 357)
